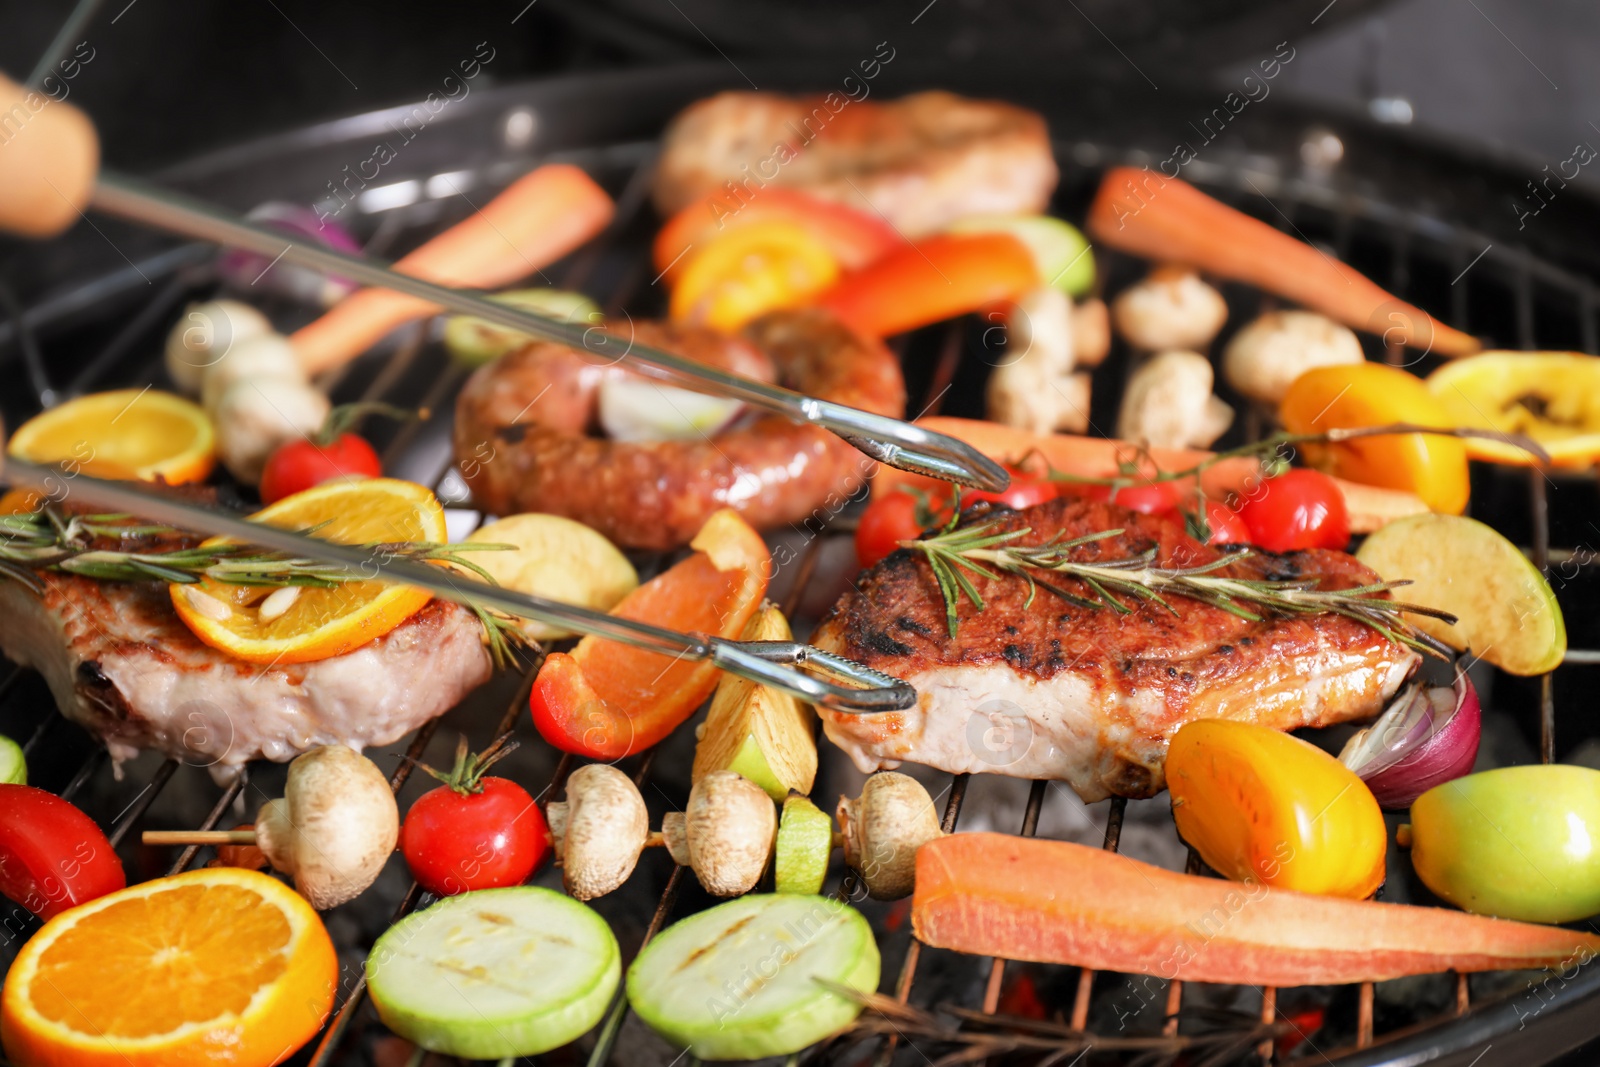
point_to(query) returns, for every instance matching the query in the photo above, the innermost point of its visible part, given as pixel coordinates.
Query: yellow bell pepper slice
(751, 270)
(1359, 395)
(1263, 807)
(1552, 397)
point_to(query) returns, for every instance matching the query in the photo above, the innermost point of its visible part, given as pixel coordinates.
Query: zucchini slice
(495, 973)
(739, 981)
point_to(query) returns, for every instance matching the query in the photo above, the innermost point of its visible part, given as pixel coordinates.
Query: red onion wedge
(247, 271)
(1428, 735)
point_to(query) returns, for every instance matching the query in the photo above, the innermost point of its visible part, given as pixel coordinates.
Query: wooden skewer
(199, 837)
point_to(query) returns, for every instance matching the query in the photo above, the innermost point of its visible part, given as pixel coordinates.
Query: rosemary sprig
(1123, 584)
(48, 540)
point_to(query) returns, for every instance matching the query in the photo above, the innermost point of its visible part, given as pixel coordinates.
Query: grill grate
(1507, 287)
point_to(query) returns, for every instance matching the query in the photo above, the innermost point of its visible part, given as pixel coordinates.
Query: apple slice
(1507, 612)
(744, 980)
(805, 841)
(764, 734)
(496, 973)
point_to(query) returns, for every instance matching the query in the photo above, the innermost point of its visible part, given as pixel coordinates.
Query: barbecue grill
(1428, 221)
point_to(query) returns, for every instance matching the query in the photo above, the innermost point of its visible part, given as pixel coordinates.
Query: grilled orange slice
(145, 431)
(319, 623)
(219, 966)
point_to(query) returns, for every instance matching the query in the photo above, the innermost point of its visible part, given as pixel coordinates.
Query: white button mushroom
(266, 356)
(256, 415)
(1168, 404)
(599, 830)
(1091, 333)
(1265, 357)
(1172, 308)
(205, 335)
(729, 827)
(1034, 387)
(882, 830)
(334, 827)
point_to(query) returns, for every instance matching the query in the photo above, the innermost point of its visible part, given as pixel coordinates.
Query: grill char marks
(1101, 693)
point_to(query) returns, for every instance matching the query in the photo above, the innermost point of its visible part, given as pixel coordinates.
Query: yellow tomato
(750, 270)
(1552, 397)
(1261, 806)
(1358, 395)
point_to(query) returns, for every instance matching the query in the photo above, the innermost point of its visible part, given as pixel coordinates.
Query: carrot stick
(1055, 902)
(538, 219)
(1167, 219)
(1097, 457)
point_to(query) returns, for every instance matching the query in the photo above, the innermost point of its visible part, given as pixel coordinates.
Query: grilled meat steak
(121, 664)
(922, 161)
(1087, 696)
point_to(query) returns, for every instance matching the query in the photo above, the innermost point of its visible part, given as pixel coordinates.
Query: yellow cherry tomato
(1358, 395)
(750, 270)
(1263, 807)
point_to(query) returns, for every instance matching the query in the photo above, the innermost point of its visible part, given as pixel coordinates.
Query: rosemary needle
(1121, 585)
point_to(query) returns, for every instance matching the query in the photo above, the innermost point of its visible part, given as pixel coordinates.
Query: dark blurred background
(170, 78)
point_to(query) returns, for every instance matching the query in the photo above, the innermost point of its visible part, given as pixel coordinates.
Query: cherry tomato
(1297, 509)
(52, 856)
(890, 519)
(1023, 492)
(1227, 528)
(1147, 498)
(301, 464)
(454, 842)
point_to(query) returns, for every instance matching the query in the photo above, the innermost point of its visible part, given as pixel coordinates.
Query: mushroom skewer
(727, 832)
(886, 440)
(833, 682)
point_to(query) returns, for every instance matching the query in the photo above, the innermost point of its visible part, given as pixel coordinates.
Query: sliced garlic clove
(206, 604)
(278, 602)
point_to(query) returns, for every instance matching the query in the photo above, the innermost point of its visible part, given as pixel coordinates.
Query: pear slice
(762, 733)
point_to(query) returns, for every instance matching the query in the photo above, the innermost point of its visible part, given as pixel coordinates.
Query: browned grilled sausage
(525, 433)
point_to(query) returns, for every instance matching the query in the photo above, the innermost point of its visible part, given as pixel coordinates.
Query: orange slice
(218, 966)
(319, 623)
(145, 431)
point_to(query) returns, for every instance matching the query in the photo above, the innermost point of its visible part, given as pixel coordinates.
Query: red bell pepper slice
(931, 280)
(606, 700)
(854, 237)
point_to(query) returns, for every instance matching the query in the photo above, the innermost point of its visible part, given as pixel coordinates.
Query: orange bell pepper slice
(853, 237)
(606, 700)
(931, 280)
(751, 270)
(1373, 394)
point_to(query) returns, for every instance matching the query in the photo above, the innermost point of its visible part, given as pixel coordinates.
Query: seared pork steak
(1085, 695)
(121, 664)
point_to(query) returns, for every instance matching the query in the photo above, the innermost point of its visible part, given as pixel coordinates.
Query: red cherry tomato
(1297, 509)
(301, 464)
(52, 856)
(890, 519)
(1023, 492)
(1227, 528)
(1148, 498)
(474, 832)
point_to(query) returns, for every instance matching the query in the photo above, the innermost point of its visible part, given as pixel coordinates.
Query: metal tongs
(890, 441)
(771, 663)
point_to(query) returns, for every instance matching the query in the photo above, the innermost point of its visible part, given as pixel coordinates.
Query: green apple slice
(473, 340)
(1059, 249)
(1508, 613)
(13, 765)
(741, 980)
(762, 733)
(495, 973)
(805, 841)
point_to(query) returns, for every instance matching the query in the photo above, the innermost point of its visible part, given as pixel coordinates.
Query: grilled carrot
(538, 219)
(1096, 457)
(1056, 902)
(1167, 219)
